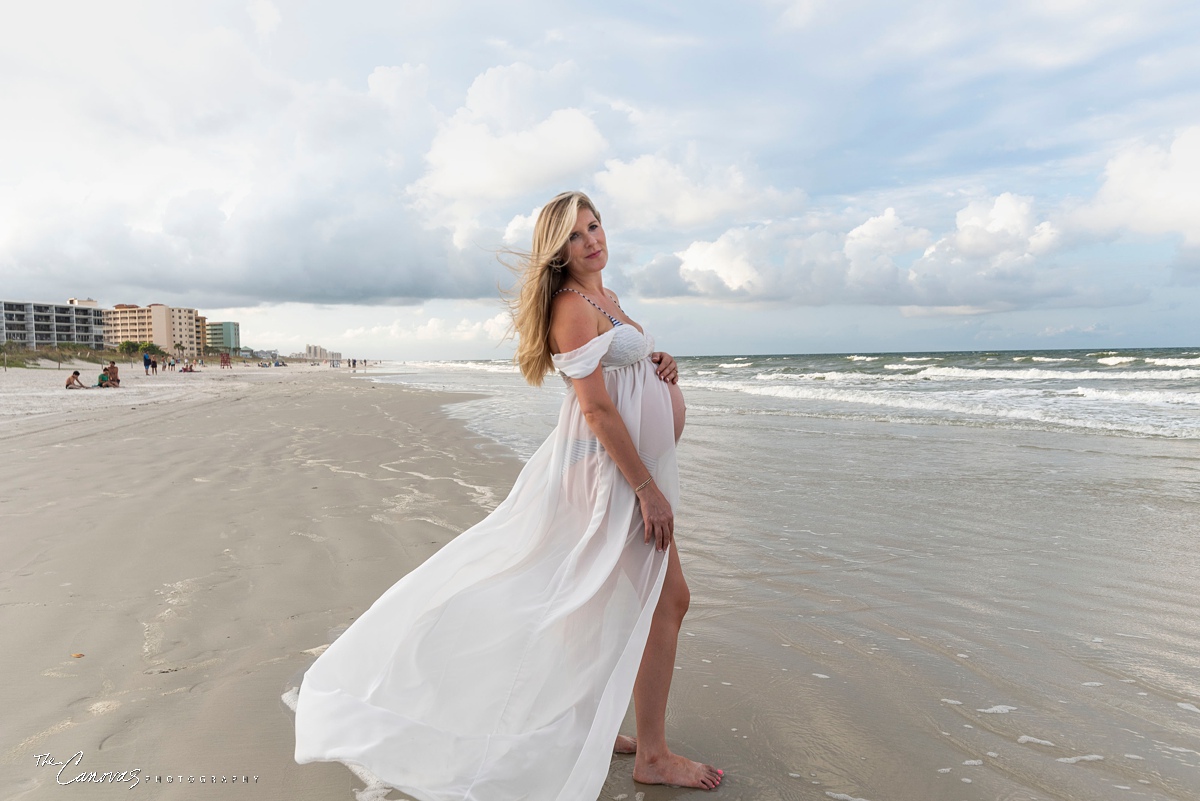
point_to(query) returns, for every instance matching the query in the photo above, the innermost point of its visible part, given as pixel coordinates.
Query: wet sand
(887, 611)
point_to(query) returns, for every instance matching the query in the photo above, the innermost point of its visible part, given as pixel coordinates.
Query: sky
(774, 176)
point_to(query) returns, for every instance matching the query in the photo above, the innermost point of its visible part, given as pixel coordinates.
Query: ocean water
(1138, 393)
(925, 576)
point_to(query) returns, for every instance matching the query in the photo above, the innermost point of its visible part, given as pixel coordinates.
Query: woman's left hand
(667, 369)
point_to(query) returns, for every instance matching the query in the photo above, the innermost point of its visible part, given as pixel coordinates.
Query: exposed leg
(626, 744)
(655, 763)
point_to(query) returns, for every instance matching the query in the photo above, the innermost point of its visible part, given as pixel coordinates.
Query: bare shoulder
(572, 322)
(566, 307)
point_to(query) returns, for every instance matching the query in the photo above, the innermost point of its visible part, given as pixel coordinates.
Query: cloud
(214, 156)
(507, 141)
(992, 260)
(945, 311)
(220, 181)
(436, 329)
(800, 13)
(1055, 331)
(726, 266)
(399, 86)
(661, 278)
(871, 250)
(1021, 36)
(1150, 189)
(266, 17)
(650, 191)
(470, 163)
(519, 231)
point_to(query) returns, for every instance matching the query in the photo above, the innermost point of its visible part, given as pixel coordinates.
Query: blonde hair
(543, 272)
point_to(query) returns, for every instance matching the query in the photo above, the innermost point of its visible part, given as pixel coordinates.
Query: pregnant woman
(501, 668)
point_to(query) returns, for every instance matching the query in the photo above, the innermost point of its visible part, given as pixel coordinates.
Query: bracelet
(643, 485)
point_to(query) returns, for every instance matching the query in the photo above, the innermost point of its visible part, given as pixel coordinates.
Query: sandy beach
(879, 611)
(195, 550)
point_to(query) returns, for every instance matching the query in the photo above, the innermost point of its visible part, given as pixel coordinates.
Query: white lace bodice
(623, 346)
(628, 346)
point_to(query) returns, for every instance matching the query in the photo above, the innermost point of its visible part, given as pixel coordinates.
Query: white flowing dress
(502, 667)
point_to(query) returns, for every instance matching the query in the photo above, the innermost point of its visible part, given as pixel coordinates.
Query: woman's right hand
(658, 517)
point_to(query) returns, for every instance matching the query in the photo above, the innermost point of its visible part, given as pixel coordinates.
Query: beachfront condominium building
(201, 334)
(224, 337)
(49, 325)
(183, 326)
(172, 329)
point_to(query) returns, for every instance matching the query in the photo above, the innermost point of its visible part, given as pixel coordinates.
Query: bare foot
(625, 745)
(677, 771)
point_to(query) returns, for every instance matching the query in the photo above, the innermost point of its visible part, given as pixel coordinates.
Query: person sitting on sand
(73, 381)
(105, 380)
(113, 375)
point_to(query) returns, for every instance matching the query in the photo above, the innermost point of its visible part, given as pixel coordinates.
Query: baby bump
(678, 408)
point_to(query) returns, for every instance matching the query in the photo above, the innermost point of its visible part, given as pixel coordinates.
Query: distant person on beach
(114, 374)
(507, 660)
(154, 365)
(73, 381)
(146, 362)
(104, 380)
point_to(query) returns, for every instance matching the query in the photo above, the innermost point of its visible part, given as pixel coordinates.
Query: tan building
(172, 329)
(201, 334)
